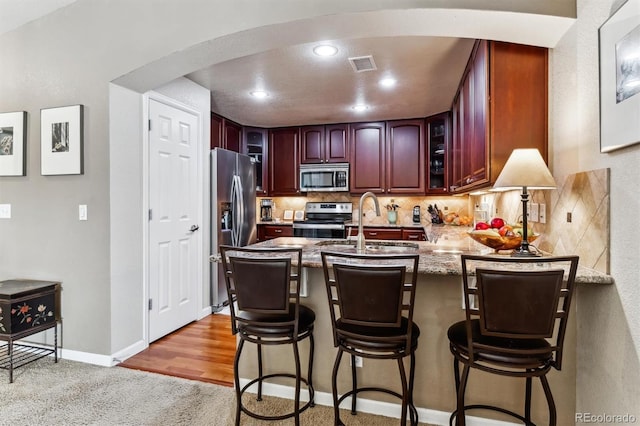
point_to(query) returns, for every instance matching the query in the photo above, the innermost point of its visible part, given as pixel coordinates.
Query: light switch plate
(82, 212)
(5, 211)
(543, 213)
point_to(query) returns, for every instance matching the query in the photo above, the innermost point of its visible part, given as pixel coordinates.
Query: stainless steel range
(324, 220)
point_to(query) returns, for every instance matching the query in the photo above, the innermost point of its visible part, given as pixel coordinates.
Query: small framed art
(13, 143)
(61, 140)
(619, 39)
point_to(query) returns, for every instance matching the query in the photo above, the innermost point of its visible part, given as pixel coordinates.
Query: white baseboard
(128, 352)
(87, 358)
(205, 312)
(371, 406)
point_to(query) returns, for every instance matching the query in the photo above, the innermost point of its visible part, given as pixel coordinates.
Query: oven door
(319, 230)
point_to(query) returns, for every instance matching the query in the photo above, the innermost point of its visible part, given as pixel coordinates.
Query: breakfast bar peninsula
(438, 305)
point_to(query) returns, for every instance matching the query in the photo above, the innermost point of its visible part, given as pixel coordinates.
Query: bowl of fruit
(499, 235)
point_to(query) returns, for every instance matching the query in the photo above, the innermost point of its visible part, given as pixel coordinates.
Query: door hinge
(150, 304)
(149, 125)
(150, 214)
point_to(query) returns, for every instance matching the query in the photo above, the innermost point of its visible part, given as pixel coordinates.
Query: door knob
(194, 228)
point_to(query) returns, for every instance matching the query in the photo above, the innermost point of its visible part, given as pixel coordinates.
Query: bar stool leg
(354, 382)
(334, 388)
(236, 377)
(296, 398)
(460, 417)
(414, 420)
(403, 380)
(310, 373)
(259, 396)
(527, 401)
(552, 405)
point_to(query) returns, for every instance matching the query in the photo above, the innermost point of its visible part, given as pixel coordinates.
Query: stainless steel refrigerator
(233, 211)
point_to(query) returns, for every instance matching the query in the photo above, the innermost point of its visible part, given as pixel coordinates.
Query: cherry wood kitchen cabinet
(388, 157)
(269, 232)
(367, 157)
(325, 144)
(405, 157)
(284, 161)
(494, 112)
(255, 141)
(413, 234)
(226, 134)
(388, 233)
(438, 147)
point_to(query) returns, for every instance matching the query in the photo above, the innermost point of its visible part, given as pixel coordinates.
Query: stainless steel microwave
(330, 177)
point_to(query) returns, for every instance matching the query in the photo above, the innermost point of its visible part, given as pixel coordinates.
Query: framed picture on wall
(13, 143)
(619, 39)
(61, 140)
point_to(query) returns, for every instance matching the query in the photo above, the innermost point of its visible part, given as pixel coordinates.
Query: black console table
(27, 307)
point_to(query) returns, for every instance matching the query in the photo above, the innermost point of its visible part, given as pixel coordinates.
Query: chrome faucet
(361, 242)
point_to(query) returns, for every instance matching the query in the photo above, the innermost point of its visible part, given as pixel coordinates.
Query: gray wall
(71, 56)
(608, 378)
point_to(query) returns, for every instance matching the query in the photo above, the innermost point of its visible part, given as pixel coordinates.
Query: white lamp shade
(525, 167)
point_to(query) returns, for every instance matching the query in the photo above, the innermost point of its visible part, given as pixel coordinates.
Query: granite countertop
(440, 255)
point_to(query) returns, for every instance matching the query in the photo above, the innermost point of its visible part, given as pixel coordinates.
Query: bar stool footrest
(308, 404)
(413, 413)
(491, 408)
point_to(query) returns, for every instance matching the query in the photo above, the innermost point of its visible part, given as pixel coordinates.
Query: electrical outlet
(82, 212)
(542, 213)
(5, 211)
(359, 362)
(533, 212)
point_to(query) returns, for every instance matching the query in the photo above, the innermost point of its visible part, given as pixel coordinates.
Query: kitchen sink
(372, 247)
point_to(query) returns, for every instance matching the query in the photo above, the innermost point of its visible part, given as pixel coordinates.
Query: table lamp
(525, 169)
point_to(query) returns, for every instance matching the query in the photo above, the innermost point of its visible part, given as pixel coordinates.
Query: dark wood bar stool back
(371, 301)
(516, 319)
(265, 285)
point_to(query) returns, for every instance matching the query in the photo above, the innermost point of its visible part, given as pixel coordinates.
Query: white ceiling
(306, 89)
(19, 12)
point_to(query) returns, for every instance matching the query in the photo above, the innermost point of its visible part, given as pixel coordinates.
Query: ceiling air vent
(362, 63)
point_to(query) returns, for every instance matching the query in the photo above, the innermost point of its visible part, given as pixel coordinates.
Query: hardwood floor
(203, 350)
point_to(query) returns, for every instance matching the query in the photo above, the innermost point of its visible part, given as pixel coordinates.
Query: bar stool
(371, 300)
(516, 317)
(265, 285)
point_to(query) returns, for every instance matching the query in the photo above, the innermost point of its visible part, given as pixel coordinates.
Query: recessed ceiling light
(388, 82)
(259, 94)
(360, 107)
(325, 50)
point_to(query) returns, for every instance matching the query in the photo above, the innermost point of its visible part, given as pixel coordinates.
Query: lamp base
(525, 252)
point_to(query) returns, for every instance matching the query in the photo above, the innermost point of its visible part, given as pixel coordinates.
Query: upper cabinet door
(405, 157)
(284, 158)
(367, 157)
(233, 136)
(255, 139)
(438, 153)
(217, 140)
(225, 134)
(336, 143)
(312, 142)
(325, 144)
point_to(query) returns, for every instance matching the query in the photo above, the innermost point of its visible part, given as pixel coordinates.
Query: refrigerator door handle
(234, 209)
(241, 209)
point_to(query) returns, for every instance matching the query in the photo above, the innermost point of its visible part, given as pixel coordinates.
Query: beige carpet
(72, 393)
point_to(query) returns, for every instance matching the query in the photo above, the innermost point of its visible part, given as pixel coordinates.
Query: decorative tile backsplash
(458, 205)
(585, 196)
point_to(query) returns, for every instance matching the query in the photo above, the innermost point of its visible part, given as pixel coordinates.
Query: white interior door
(174, 236)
